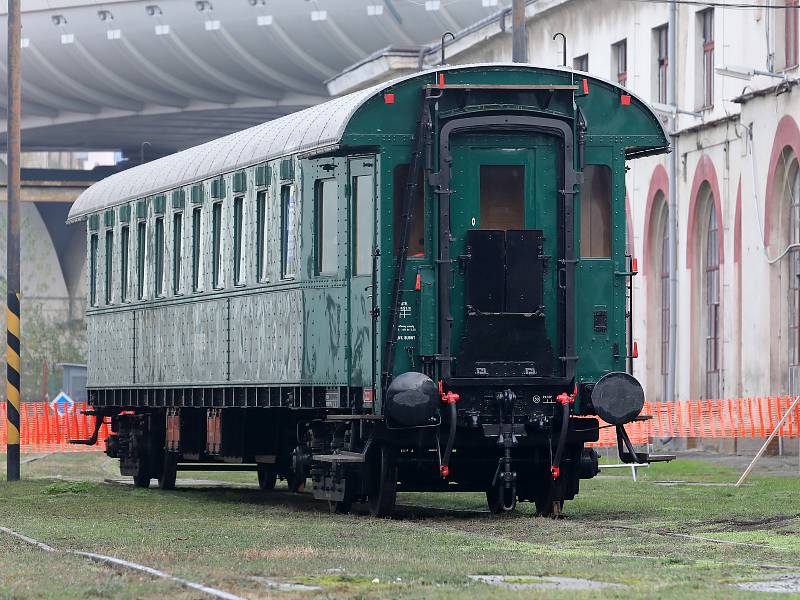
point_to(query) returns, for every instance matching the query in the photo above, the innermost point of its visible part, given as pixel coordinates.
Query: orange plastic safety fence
(44, 429)
(752, 417)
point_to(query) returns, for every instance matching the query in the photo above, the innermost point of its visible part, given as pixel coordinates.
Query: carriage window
(288, 218)
(261, 236)
(177, 251)
(159, 252)
(327, 230)
(124, 243)
(238, 215)
(197, 230)
(502, 197)
(141, 248)
(109, 265)
(365, 230)
(93, 242)
(416, 239)
(596, 212)
(216, 245)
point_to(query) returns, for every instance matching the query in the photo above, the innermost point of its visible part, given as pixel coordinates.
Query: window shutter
(218, 188)
(178, 198)
(240, 182)
(198, 194)
(159, 204)
(94, 222)
(287, 169)
(263, 175)
(141, 209)
(125, 213)
(108, 218)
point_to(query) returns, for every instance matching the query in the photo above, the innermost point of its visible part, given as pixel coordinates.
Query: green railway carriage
(418, 286)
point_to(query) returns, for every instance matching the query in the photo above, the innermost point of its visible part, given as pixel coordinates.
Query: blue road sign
(62, 403)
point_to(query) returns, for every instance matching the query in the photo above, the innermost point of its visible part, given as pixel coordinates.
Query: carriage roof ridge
(319, 126)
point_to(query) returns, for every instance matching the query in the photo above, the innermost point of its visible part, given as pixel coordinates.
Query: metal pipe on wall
(519, 49)
(12, 257)
(672, 201)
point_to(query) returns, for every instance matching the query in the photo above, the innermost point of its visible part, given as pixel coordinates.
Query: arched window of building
(792, 199)
(712, 294)
(664, 306)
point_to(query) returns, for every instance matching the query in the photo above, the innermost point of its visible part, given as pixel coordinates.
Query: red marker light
(418, 284)
(444, 470)
(635, 350)
(441, 80)
(625, 100)
(585, 86)
(388, 98)
(634, 265)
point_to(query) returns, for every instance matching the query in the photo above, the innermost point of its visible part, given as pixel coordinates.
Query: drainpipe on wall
(672, 201)
(519, 48)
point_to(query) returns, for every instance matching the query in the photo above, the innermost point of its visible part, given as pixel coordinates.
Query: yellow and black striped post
(12, 248)
(12, 385)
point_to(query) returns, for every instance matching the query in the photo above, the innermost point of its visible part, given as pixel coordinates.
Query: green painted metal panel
(198, 193)
(239, 182)
(178, 199)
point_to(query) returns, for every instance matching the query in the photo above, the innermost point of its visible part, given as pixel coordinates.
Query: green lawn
(615, 531)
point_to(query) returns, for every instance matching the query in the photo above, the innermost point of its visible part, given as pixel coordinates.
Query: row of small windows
(327, 237)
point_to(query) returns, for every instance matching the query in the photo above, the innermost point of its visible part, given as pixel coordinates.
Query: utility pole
(519, 49)
(672, 200)
(12, 249)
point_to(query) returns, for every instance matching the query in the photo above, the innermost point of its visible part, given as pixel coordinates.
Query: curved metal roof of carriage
(314, 128)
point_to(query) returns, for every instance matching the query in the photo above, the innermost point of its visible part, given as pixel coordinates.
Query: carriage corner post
(13, 235)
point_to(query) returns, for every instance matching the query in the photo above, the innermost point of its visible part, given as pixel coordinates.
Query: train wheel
(382, 500)
(267, 476)
(142, 476)
(169, 472)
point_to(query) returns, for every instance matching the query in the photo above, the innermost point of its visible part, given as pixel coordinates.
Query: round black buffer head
(618, 398)
(412, 400)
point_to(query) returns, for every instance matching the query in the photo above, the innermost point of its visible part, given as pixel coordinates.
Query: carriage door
(363, 227)
(504, 220)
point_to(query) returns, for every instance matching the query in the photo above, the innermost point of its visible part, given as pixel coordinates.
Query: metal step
(340, 457)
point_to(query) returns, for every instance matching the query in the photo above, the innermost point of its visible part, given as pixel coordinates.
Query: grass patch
(615, 531)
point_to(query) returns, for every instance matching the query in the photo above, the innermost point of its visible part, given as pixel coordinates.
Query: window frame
(159, 242)
(585, 203)
(177, 252)
(620, 61)
(288, 195)
(197, 249)
(262, 226)
(322, 238)
(94, 248)
(358, 209)
(661, 39)
(141, 259)
(124, 260)
(581, 63)
(217, 265)
(239, 278)
(706, 67)
(711, 297)
(109, 266)
(790, 34)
